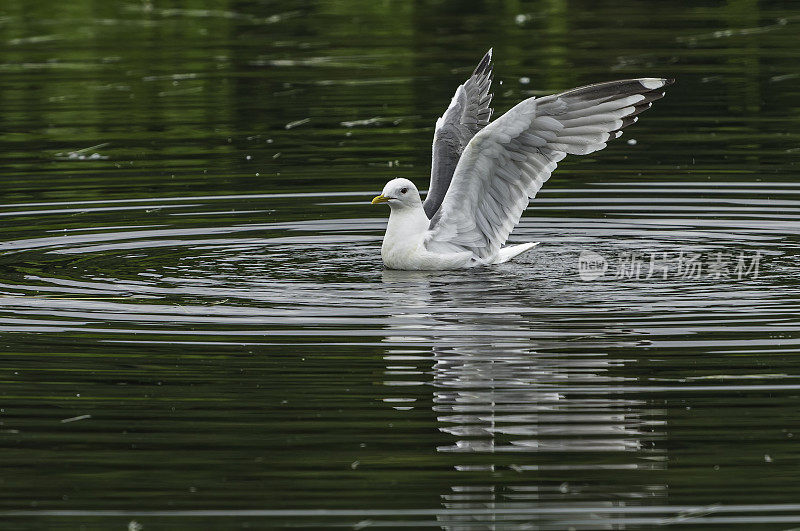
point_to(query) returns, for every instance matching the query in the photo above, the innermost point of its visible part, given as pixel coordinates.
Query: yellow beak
(380, 199)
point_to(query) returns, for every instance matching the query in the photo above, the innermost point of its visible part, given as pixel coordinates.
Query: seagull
(484, 174)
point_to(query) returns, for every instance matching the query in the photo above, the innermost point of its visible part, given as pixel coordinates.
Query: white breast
(403, 246)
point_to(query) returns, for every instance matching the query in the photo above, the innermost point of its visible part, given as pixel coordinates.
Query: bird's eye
(403, 190)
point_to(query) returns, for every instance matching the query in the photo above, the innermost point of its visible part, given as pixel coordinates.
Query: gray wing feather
(507, 162)
(467, 114)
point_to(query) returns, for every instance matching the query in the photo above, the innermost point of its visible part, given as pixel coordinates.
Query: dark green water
(196, 330)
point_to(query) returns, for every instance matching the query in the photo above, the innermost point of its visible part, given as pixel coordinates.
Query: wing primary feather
(506, 162)
(468, 113)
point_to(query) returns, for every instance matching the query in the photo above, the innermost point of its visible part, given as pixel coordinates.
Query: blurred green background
(181, 93)
(175, 262)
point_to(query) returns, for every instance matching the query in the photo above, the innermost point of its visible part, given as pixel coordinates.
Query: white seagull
(484, 174)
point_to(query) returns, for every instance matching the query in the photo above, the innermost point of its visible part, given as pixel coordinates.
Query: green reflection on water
(285, 409)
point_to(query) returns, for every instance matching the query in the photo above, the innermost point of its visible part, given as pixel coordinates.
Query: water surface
(196, 328)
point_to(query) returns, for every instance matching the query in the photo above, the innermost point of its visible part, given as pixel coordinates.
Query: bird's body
(404, 245)
(484, 174)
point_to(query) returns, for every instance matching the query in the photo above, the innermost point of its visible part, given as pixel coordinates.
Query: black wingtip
(485, 65)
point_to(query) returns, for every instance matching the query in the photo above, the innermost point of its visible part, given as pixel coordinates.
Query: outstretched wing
(507, 162)
(467, 114)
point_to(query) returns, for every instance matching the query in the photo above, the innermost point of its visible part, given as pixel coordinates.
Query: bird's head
(399, 193)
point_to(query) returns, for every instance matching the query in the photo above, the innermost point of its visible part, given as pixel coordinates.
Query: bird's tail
(507, 253)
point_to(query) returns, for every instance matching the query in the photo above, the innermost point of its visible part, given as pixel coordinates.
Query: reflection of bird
(484, 174)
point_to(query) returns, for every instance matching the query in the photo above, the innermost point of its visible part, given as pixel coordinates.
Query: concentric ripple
(196, 330)
(541, 387)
